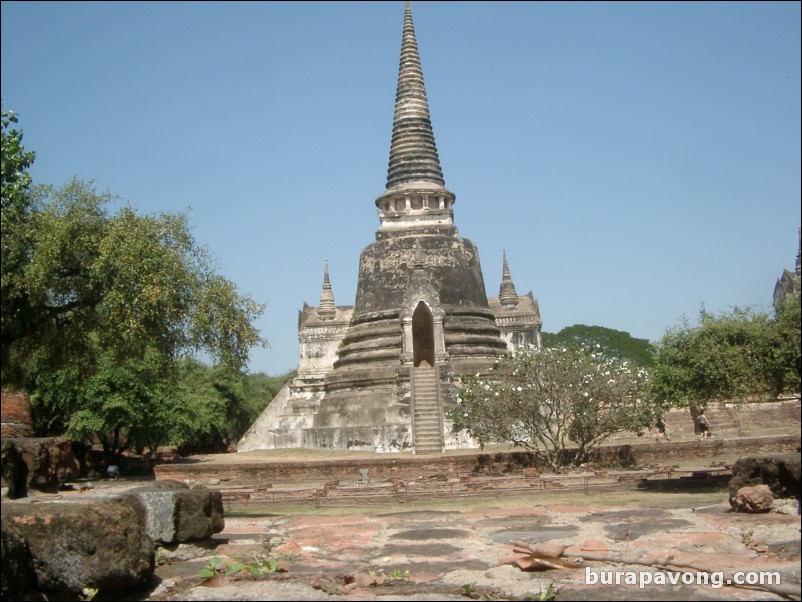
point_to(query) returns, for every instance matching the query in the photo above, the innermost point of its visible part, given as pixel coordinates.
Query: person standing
(704, 425)
(662, 429)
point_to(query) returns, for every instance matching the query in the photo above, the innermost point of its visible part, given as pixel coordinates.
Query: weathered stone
(50, 461)
(17, 567)
(174, 513)
(13, 469)
(200, 514)
(178, 552)
(753, 499)
(421, 305)
(780, 472)
(786, 506)
(100, 543)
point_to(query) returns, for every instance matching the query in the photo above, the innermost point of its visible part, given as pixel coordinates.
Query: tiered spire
(327, 310)
(507, 295)
(413, 153)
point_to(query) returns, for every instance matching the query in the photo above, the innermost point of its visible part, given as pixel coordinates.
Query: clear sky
(635, 160)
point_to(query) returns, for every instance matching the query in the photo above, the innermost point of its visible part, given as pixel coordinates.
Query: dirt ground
(603, 546)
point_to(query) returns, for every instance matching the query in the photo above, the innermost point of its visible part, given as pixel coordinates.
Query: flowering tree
(563, 401)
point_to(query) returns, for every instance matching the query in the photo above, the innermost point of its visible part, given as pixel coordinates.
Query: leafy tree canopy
(738, 354)
(14, 211)
(787, 350)
(223, 404)
(613, 343)
(127, 281)
(111, 300)
(262, 388)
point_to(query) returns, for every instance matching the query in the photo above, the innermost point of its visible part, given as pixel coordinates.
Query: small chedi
(381, 375)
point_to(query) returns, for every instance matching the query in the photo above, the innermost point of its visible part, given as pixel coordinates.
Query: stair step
(426, 414)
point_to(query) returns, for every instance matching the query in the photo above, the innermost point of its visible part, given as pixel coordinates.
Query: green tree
(732, 356)
(215, 397)
(221, 404)
(118, 299)
(262, 389)
(123, 402)
(16, 241)
(565, 401)
(786, 351)
(613, 343)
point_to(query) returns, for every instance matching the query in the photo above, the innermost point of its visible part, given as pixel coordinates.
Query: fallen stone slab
(100, 543)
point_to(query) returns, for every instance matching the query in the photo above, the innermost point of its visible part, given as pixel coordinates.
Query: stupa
(382, 374)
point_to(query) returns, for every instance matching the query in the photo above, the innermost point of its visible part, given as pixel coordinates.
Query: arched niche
(422, 335)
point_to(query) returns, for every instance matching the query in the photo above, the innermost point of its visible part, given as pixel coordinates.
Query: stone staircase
(720, 417)
(427, 424)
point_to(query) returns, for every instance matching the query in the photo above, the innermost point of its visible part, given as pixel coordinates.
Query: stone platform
(294, 467)
(485, 549)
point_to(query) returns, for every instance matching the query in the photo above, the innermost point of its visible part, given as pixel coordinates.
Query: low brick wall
(672, 452)
(385, 467)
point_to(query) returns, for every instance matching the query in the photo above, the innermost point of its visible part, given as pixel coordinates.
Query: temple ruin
(382, 374)
(790, 282)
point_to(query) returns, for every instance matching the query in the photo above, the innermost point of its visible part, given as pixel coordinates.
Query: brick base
(387, 467)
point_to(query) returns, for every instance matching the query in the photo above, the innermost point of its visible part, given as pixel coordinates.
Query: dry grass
(604, 499)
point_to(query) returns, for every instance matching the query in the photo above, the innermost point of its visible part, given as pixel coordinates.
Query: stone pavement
(409, 554)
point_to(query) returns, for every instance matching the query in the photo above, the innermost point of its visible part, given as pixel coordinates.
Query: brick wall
(16, 416)
(389, 467)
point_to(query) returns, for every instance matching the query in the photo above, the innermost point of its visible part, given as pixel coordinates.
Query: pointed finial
(507, 295)
(327, 310)
(413, 152)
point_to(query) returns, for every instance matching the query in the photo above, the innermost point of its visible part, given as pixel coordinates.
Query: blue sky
(635, 160)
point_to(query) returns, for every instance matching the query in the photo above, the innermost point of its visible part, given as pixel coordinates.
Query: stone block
(174, 513)
(99, 543)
